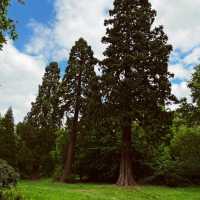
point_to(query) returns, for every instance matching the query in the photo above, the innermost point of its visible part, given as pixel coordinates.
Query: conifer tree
(45, 112)
(74, 90)
(44, 118)
(135, 71)
(7, 138)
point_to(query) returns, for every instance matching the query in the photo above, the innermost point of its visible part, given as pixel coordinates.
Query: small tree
(8, 138)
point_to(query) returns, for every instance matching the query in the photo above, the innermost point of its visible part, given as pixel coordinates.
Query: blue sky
(48, 29)
(42, 11)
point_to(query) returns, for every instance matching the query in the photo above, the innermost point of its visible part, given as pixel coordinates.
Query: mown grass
(48, 190)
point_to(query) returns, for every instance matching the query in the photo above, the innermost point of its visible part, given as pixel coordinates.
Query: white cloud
(181, 90)
(193, 57)
(180, 71)
(181, 21)
(74, 19)
(85, 18)
(20, 75)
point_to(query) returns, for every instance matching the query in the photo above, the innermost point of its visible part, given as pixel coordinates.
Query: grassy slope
(47, 190)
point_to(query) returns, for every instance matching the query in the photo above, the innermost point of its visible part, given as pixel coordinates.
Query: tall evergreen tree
(74, 90)
(44, 118)
(135, 71)
(7, 138)
(45, 112)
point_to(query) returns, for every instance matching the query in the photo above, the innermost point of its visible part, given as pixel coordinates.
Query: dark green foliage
(34, 151)
(81, 65)
(37, 132)
(8, 176)
(149, 139)
(98, 152)
(45, 112)
(98, 142)
(26, 144)
(136, 63)
(8, 138)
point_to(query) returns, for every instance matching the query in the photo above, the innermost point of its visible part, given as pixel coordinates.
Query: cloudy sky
(48, 28)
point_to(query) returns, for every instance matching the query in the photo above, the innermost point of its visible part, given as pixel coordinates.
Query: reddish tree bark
(70, 154)
(126, 173)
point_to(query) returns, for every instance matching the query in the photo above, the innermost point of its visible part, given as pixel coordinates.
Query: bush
(179, 163)
(10, 195)
(58, 172)
(185, 148)
(8, 176)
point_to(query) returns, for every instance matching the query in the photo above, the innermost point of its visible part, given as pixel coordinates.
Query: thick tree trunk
(69, 160)
(126, 173)
(66, 177)
(70, 154)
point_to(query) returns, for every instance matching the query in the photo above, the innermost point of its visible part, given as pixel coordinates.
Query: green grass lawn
(48, 190)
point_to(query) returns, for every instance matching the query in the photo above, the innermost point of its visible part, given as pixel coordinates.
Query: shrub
(185, 148)
(8, 176)
(58, 172)
(11, 194)
(179, 163)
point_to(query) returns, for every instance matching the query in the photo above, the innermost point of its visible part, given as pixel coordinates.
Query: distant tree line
(115, 126)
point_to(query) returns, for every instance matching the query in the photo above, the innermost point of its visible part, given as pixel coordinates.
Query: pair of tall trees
(135, 80)
(68, 98)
